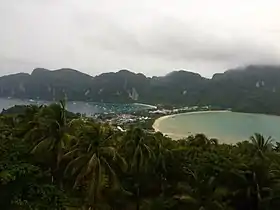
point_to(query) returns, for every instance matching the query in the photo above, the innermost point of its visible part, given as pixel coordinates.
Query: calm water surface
(230, 127)
(88, 108)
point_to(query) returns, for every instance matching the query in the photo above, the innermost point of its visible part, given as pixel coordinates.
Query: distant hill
(250, 89)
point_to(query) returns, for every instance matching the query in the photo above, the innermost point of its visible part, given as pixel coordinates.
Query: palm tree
(162, 153)
(93, 159)
(214, 141)
(277, 147)
(202, 192)
(261, 145)
(135, 143)
(7, 126)
(200, 140)
(256, 185)
(50, 126)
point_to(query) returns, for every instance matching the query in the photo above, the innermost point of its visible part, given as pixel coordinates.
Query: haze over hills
(251, 89)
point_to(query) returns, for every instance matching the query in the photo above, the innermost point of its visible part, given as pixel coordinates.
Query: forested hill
(251, 89)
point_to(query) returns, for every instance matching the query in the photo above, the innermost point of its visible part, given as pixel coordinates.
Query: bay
(227, 127)
(88, 108)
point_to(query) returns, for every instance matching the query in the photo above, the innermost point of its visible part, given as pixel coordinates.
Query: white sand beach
(176, 136)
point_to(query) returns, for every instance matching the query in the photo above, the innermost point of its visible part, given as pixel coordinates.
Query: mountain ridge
(254, 88)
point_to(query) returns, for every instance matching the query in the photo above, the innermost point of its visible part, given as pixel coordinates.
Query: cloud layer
(149, 36)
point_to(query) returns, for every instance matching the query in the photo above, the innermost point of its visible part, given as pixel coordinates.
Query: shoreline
(175, 136)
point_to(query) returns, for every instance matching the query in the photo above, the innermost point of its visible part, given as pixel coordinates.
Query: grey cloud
(105, 34)
(153, 37)
(15, 65)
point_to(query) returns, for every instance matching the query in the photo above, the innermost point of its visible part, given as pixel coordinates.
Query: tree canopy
(50, 160)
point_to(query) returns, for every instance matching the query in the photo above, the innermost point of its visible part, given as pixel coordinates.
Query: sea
(227, 127)
(87, 108)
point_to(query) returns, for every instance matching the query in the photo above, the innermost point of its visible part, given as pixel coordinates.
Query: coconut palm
(256, 186)
(277, 147)
(49, 135)
(94, 159)
(51, 121)
(261, 145)
(7, 124)
(162, 153)
(202, 192)
(135, 143)
(200, 140)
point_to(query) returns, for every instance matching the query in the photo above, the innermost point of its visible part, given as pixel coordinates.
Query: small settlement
(143, 118)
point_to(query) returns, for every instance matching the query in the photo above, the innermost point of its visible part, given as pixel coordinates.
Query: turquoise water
(230, 127)
(88, 108)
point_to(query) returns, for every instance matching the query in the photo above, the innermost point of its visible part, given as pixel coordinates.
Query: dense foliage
(252, 89)
(49, 160)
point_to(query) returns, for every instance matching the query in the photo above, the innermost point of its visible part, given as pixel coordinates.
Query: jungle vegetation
(52, 160)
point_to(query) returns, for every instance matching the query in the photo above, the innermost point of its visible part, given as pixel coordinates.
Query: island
(54, 159)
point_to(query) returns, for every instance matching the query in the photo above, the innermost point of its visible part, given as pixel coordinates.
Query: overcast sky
(149, 36)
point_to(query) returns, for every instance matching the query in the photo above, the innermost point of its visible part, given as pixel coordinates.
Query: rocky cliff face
(243, 89)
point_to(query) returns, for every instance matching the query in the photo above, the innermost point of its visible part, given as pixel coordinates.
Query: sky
(153, 37)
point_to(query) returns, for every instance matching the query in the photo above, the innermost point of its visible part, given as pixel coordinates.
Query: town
(145, 118)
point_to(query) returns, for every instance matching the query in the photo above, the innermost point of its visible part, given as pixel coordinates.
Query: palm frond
(112, 174)
(110, 151)
(92, 163)
(44, 144)
(71, 153)
(74, 165)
